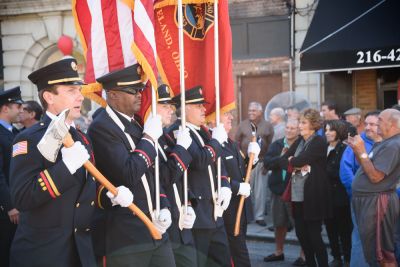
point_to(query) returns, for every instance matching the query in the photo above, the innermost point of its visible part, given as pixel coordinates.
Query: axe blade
(52, 140)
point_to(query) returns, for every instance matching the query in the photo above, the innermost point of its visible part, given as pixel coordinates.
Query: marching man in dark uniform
(235, 165)
(10, 109)
(208, 230)
(125, 153)
(56, 200)
(174, 160)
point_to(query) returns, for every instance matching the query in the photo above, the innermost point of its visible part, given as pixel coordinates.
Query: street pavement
(260, 242)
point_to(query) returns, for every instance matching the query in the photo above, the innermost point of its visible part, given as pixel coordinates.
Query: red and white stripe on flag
(144, 46)
(106, 30)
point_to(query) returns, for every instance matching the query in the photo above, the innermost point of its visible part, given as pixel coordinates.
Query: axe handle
(68, 142)
(241, 201)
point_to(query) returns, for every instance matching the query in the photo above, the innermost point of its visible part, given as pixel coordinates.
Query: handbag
(298, 180)
(287, 194)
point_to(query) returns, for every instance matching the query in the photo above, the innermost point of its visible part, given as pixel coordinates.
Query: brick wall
(256, 8)
(365, 89)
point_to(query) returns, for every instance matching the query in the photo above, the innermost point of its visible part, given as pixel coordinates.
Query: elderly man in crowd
(277, 119)
(354, 117)
(374, 190)
(265, 134)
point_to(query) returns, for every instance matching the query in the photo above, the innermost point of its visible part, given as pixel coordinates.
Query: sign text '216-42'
(377, 56)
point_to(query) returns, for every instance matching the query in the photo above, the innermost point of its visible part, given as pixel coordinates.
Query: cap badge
(139, 70)
(74, 66)
(201, 91)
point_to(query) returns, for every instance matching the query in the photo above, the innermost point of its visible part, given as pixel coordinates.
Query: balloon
(65, 45)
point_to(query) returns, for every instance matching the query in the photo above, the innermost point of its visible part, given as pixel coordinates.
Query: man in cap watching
(57, 199)
(354, 117)
(10, 110)
(125, 152)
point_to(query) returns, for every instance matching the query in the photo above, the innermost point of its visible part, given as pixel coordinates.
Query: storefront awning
(351, 35)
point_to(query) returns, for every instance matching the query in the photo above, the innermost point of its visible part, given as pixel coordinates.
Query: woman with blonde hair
(309, 187)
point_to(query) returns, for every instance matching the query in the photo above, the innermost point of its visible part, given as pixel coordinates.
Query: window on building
(262, 37)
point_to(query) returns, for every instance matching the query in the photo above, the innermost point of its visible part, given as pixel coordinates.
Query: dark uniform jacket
(235, 166)
(6, 139)
(198, 176)
(124, 165)
(56, 207)
(171, 172)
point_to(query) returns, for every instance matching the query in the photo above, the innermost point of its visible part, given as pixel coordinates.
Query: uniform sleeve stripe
(99, 190)
(224, 177)
(144, 154)
(49, 189)
(211, 150)
(163, 195)
(179, 159)
(53, 186)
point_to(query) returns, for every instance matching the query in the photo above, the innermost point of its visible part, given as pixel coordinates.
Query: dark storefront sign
(352, 35)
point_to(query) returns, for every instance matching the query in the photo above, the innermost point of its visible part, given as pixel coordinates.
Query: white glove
(153, 127)
(219, 133)
(254, 148)
(74, 156)
(244, 189)
(123, 198)
(186, 221)
(163, 221)
(224, 197)
(183, 138)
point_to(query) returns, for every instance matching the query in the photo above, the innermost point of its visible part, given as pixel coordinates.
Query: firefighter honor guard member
(125, 153)
(55, 200)
(208, 230)
(174, 160)
(10, 109)
(235, 165)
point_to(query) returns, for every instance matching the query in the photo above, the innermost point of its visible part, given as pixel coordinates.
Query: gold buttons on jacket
(92, 203)
(75, 230)
(77, 205)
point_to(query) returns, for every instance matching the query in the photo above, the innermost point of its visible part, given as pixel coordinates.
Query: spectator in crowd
(354, 117)
(292, 113)
(277, 182)
(329, 110)
(339, 226)
(265, 134)
(309, 187)
(374, 190)
(397, 235)
(348, 168)
(277, 119)
(31, 113)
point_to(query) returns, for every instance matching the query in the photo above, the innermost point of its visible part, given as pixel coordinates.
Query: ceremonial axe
(57, 134)
(246, 180)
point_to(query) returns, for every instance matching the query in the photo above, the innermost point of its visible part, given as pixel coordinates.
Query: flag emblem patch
(20, 148)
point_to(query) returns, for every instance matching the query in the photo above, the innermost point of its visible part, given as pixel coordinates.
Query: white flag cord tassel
(216, 78)
(183, 100)
(156, 162)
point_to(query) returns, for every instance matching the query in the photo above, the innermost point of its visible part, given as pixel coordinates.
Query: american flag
(114, 36)
(20, 148)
